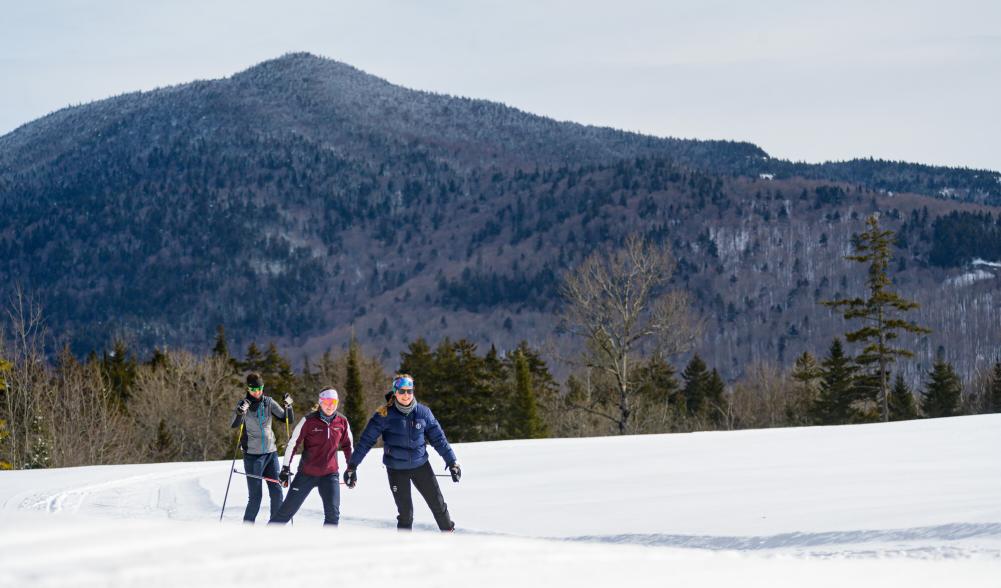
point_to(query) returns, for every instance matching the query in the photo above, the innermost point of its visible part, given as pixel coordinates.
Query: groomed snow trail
(918, 502)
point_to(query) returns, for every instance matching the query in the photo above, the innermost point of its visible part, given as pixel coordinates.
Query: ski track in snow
(117, 493)
(954, 532)
(180, 495)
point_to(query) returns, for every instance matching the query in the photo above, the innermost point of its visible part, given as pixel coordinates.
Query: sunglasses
(405, 391)
(255, 388)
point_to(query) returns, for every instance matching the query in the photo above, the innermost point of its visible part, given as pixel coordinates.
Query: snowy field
(903, 504)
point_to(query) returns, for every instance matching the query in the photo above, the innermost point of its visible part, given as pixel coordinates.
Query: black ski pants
(330, 493)
(265, 464)
(422, 477)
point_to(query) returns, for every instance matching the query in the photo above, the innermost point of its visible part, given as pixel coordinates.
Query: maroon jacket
(320, 443)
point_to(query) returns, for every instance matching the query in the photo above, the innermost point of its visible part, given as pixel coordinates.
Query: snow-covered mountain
(306, 202)
(903, 504)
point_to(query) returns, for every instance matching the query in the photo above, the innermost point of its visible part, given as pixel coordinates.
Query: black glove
(288, 400)
(243, 406)
(283, 476)
(456, 471)
(350, 477)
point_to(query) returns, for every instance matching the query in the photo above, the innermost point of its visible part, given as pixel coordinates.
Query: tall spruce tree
(120, 368)
(418, 361)
(806, 373)
(881, 310)
(451, 381)
(354, 401)
(696, 389)
(658, 383)
(221, 348)
(495, 371)
(39, 446)
(308, 383)
(902, 405)
(836, 394)
(994, 396)
(253, 361)
(542, 380)
(158, 360)
(163, 448)
(279, 379)
(525, 422)
(942, 392)
(715, 388)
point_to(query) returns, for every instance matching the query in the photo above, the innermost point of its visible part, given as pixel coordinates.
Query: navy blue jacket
(403, 438)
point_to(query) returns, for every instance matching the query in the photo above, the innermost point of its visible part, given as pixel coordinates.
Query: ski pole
(266, 479)
(236, 471)
(287, 439)
(232, 468)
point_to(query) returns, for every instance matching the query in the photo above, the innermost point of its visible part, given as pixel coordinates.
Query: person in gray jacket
(260, 453)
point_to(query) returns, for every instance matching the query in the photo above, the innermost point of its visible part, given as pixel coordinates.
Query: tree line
(627, 329)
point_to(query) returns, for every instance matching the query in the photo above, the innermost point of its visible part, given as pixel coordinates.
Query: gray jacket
(258, 438)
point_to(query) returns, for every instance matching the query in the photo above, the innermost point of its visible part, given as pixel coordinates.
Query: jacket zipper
(260, 421)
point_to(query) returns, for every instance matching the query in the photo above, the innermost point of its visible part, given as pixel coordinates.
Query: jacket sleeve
(368, 438)
(436, 436)
(237, 419)
(347, 441)
(280, 412)
(298, 437)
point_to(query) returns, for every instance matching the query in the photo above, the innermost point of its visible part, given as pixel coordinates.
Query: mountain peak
(303, 64)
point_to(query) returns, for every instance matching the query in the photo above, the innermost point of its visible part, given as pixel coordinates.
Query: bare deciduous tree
(22, 346)
(87, 427)
(761, 399)
(193, 397)
(618, 304)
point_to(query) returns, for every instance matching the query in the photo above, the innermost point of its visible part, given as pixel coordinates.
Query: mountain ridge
(302, 198)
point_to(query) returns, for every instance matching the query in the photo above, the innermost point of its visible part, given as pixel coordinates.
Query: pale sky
(908, 80)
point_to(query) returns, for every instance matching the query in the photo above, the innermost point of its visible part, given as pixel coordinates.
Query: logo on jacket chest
(418, 426)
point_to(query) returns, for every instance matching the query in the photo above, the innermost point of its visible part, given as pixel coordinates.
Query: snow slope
(915, 503)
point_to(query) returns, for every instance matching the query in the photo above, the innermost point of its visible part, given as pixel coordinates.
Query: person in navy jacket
(404, 424)
(321, 434)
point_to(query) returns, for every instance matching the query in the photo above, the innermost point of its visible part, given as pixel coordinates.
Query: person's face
(405, 396)
(255, 392)
(328, 405)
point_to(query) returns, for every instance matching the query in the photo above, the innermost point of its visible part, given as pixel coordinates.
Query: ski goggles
(403, 382)
(328, 401)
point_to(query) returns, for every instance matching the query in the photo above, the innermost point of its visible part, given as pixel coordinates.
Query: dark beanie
(254, 380)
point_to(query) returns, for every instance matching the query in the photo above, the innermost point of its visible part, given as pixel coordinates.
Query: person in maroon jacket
(321, 434)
